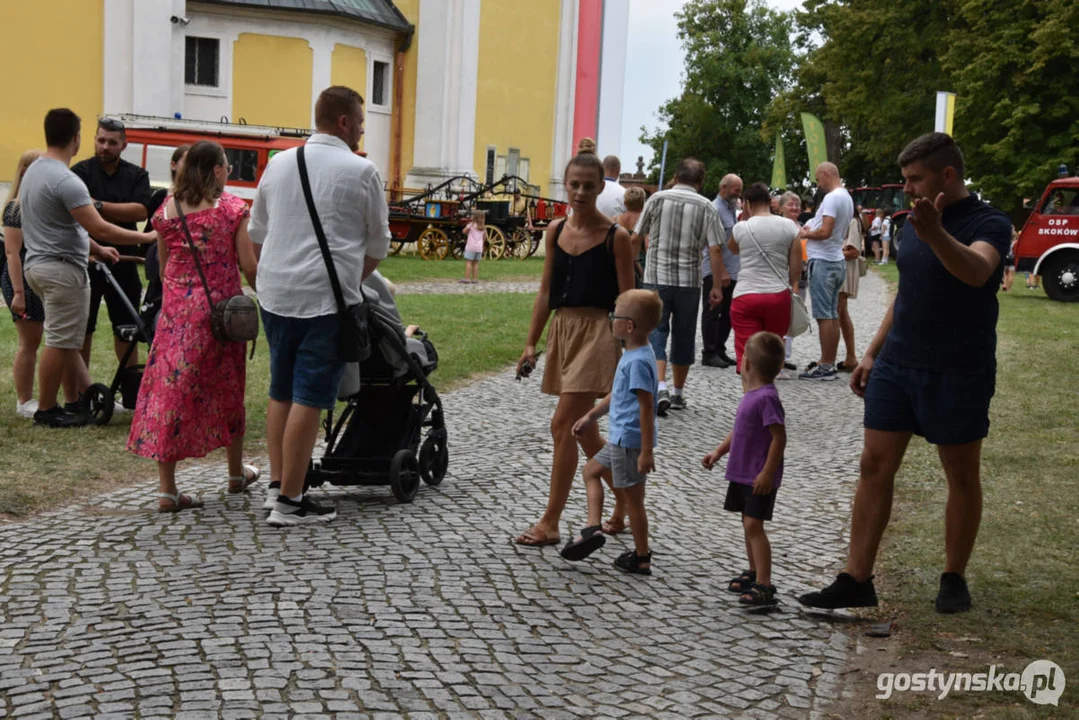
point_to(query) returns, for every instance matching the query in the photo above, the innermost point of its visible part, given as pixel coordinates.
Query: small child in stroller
(389, 404)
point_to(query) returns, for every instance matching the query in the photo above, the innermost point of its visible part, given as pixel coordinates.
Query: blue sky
(654, 69)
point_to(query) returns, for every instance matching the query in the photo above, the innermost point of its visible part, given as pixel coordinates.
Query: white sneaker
(271, 495)
(26, 409)
(785, 375)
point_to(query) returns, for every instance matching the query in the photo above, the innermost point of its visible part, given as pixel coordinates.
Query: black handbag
(354, 344)
(234, 319)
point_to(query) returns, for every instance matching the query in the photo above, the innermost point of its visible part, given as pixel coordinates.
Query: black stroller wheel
(100, 402)
(434, 458)
(404, 476)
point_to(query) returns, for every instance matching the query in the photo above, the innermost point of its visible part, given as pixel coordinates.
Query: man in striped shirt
(678, 224)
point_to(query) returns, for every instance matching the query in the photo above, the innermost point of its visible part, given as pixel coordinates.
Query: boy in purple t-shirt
(755, 465)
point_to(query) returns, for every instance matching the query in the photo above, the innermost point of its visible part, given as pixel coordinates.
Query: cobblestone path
(429, 610)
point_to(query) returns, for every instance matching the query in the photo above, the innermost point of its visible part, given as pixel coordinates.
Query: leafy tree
(873, 79)
(738, 57)
(1015, 68)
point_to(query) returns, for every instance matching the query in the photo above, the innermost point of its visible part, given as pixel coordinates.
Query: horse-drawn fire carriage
(436, 218)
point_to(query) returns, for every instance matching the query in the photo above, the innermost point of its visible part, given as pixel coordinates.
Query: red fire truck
(151, 141)
(1049, 242)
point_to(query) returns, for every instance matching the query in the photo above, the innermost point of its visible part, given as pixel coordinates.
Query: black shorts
(740, 499)
(944, 408)
(127, 275)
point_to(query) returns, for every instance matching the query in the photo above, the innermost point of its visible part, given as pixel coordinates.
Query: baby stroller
(389, 405)
(101, 398)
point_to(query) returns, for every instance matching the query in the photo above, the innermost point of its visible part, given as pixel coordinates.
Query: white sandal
(177, 502)
(240, 483)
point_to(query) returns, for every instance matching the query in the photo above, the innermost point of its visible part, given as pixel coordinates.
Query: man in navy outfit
(930, 370)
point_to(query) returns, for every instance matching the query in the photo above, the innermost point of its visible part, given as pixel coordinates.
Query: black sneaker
(845, 592)
(664, 403)
(56, 417)
(954, 597)
(678, 402)
(789, 366)
(78, 406)
(714, 361)
(304, 511)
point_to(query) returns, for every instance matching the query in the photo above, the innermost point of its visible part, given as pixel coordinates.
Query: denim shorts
(304, 368)
(825, 281)
(944, 408)
(682, 303)
(473, 256)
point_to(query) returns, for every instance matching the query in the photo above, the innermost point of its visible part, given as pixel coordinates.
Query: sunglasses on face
(612, 317)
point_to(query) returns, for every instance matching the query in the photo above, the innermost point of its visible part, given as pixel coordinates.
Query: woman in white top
(771, 264)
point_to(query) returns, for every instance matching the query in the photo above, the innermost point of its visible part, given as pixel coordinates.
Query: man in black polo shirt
(121, 193)
(930, 370)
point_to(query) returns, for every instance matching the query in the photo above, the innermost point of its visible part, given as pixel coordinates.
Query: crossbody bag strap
(324, 246)
(194, 252)
(784, 280)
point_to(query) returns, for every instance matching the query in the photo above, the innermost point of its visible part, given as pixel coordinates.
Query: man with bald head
(716, 321)
(827, 266)
(612, 200)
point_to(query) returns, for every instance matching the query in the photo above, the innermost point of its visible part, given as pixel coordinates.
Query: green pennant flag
(779, 167)
(815, 142)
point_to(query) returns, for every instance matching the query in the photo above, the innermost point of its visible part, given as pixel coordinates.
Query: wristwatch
(98, 205)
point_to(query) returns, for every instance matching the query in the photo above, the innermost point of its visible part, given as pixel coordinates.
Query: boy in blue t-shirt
(627, 458)
(755, 463)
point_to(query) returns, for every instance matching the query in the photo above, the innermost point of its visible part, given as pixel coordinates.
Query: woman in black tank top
(588, 264)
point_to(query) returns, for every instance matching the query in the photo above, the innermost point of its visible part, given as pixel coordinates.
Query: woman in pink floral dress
(192, 397)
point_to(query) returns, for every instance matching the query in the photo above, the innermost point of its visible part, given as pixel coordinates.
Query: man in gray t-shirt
(50, 191)
(57, 215)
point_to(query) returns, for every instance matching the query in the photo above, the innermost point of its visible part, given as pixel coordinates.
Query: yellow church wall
(349, 68)
(515, 94)
(271, 80)
(61, 68)
(411, 10)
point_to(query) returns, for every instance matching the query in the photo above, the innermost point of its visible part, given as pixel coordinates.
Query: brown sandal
(531, 538)
(612, 528)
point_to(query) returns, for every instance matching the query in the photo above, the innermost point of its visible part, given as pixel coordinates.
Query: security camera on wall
(177, 20)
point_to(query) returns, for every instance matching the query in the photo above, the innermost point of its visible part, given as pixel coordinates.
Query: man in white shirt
(827, 267)
(299, 311)
(612, 201)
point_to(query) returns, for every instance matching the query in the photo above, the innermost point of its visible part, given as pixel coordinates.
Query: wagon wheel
(494, 246)
(457, 248)
(433, 244)
(521, 244)
(535, 238)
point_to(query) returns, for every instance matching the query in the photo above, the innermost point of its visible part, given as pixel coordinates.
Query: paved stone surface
(428, 610)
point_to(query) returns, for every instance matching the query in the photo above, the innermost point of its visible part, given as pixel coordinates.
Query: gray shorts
(622, 463)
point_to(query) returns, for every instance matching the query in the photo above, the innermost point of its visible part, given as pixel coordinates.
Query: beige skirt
(582, 354)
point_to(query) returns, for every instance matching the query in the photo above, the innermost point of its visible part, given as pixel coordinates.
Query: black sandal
(759, 596)
(592, 539)
(631, 562)
(743, 582)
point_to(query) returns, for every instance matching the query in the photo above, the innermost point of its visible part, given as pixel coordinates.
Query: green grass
(412, 268)
(42, 468)
(1022, 574)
